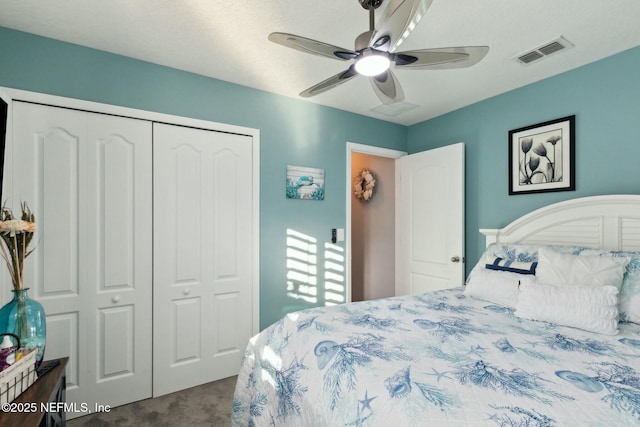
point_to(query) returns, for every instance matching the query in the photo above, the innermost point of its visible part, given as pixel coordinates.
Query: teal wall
(291, 132)
(605, 98)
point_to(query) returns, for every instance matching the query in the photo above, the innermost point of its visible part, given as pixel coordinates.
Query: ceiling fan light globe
(372, 64)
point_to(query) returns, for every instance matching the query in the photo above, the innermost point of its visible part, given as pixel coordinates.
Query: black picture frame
(542, 157)
(4, 113)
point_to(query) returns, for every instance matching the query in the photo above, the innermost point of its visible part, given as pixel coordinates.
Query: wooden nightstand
(50, 387)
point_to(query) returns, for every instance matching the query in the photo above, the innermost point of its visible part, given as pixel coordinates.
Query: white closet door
(203, 238)
(48, 144)
(87, 178)
(119, 259)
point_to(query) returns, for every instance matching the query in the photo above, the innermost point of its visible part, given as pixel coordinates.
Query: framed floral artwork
(542, 157)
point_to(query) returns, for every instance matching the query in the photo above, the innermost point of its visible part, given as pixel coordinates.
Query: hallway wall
(373, 232)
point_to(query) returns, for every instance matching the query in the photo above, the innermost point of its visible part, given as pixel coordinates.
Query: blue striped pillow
(501, 264)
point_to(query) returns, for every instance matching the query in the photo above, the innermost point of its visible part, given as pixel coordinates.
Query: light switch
(340, 235)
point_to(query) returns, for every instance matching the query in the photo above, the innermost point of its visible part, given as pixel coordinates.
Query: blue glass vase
(25, 317)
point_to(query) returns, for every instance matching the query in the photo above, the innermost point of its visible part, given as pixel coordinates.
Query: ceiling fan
(375, 50)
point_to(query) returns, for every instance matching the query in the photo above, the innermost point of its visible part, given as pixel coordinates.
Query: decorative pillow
(630, 307)
(498, 287)
(518, 253)
(501, 264)
(580, 270)
(629, 297)
(588, 308)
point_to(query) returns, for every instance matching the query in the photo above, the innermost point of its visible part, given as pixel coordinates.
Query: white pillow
(580, 270)
(588, 308)
(498, 287)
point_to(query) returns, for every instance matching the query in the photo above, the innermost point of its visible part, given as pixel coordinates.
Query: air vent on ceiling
(545, 50)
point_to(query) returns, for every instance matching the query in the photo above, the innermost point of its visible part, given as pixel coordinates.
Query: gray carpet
(206, 405)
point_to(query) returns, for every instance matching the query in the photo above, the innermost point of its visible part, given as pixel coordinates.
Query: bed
(508, 349)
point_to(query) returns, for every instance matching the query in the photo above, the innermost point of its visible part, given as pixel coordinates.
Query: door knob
(455, 259)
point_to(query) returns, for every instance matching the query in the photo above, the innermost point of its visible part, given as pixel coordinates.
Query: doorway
(370, 230)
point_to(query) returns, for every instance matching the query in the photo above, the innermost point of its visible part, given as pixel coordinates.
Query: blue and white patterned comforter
(437, 359)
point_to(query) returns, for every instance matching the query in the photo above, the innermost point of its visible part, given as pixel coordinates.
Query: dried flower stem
(16, 235)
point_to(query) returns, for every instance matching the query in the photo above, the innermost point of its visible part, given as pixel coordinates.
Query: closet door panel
(48, 144)
(119, 274)
(47, 165)
(226, 214)
(115, 162)
(203, 255)
(232, 240)
(64, 327)
(186, 334)
(181, 185)
(180, 231)
(88, 179)
(57, 151)
(115, 327)
(185, 210)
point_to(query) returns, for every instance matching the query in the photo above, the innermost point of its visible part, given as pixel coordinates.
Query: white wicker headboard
(606, 222)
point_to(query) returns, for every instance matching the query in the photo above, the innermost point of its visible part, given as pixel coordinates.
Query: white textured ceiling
(227, 40)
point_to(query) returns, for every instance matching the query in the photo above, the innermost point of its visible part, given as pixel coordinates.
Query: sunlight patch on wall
(334, 283)
(302, 266)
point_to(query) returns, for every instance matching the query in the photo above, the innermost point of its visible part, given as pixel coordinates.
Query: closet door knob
(455, 259)
(116, 299)
(187, 291)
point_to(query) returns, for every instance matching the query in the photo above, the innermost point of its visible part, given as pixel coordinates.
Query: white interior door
(87, 177)
(430, 220)
(203, 268)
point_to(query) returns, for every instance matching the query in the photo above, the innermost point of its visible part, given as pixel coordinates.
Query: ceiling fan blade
(387, 87)
(441, 58)
(313, 47)
(330, 83)
(398, 19)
